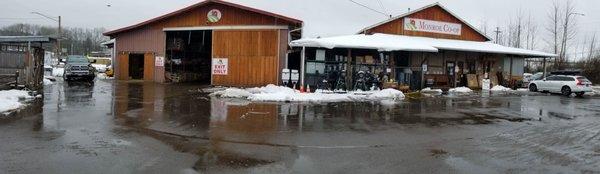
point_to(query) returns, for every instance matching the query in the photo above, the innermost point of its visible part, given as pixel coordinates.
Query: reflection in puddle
(235, 133)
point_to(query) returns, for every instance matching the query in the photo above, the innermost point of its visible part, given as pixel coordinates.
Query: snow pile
(460, 90)
(275, 93)
(103, 76)
(501, 88)
(595, 91)
(99, 67)
(12, 99)
(47, 82)
(386, 94)
(431, 91)
(232, 93)
(58, 72)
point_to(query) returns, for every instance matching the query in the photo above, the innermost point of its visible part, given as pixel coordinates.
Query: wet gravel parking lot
(136, 127)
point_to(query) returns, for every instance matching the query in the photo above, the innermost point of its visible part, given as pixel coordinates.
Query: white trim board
(231, 27)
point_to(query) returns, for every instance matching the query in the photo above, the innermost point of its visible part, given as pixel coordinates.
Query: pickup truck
(79, 68)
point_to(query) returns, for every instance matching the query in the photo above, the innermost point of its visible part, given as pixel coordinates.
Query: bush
(591, 70)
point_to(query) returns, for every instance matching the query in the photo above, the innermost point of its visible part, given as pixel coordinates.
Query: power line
(18, 18)
(367, 7)
(383, 7)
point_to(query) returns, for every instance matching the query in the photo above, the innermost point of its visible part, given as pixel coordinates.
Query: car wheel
(533, 88)
(566, 91)
(580, 94)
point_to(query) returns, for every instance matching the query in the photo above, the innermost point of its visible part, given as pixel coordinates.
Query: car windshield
(77, 59)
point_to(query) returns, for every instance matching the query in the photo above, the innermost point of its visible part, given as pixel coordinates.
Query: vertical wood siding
(122, 71)
(252, 57)
(149, 67)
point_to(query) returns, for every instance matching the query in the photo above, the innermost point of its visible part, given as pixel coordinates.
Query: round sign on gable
(214, 15)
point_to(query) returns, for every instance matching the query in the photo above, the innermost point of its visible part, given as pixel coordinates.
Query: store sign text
(423, 25)
(219, 66)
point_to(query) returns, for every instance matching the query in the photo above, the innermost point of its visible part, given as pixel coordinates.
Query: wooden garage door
(252, 57)
(149, 67)
(122, 72)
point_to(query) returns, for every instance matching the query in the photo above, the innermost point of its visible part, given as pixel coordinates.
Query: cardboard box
(369, 59)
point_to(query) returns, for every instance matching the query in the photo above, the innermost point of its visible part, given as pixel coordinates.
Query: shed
(213, 42)
(22, 61)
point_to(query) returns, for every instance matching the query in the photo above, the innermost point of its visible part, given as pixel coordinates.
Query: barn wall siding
(435, 13)
(252, 56)
(266, 53)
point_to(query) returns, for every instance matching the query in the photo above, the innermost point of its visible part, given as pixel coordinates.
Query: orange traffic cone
(301, 89)
(308, 89)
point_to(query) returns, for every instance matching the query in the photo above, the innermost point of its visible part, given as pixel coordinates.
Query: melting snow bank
(48, 82)
(13, 99)
(58, 72)
(501, 88)
(431, 91)
(595, 91)
(282, 94)
(460, 90)
(104, 76)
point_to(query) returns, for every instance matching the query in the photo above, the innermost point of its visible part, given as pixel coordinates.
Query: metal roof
(389, 42)
(25, 39)
(421, 9)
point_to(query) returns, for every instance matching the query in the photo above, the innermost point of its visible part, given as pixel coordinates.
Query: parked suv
(79, 68)
(563, 84)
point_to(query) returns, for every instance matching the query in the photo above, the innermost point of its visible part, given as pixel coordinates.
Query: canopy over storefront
(388, 42)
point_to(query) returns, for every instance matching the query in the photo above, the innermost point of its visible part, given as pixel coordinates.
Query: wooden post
(545, 70)
(510, 72)
(349, 70)
(392, 66)
(302, 65)
(423, 60)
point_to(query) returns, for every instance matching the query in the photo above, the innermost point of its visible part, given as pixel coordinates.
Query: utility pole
(497, 34)
(59, 37)
(59, 31)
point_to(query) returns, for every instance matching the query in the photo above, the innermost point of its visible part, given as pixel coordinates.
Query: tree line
(76, 41)
(556, 34)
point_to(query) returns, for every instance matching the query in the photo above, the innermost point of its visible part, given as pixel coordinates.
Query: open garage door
(188, 56)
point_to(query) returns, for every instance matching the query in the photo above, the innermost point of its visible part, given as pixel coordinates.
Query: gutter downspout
(302, 65)
(545, 68)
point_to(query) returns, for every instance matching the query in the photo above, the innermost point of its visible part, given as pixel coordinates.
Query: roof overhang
(25, 39)
(108, 43)
(361, 41)
(387, 42)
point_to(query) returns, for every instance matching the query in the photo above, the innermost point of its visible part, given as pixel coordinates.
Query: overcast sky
(321, 17)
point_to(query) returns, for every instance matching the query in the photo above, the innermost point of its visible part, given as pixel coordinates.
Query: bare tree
(515, 30)
(531, 30)
(569, 32)
(554, 30)
(592, 47)
(483, 26)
